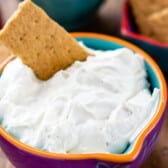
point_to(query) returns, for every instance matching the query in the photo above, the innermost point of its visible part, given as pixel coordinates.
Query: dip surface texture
(99, 105)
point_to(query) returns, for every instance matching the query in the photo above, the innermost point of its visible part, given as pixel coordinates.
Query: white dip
(99, 105)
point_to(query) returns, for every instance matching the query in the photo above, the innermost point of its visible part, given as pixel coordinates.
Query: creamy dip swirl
(99, 105)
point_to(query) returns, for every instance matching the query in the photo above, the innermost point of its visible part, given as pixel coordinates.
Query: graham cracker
(143, 11)
(40, 42)
(159, 24)
(147, 7)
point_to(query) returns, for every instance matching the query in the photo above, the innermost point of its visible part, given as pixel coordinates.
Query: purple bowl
(129, 31)
(23, 156)
(0, 21)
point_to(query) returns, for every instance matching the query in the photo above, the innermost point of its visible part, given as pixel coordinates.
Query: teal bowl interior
(100, 44)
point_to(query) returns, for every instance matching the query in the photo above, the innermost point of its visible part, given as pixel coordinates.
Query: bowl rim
(119, 158)
(125, 23)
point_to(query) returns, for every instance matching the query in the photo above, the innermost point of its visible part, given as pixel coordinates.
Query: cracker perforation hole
(36, 21)
(37, 37)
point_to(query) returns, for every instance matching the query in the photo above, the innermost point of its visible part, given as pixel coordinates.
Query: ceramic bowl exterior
(23, 156)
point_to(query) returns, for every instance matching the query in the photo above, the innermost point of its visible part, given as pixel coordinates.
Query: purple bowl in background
(0, 20)
(158, 50)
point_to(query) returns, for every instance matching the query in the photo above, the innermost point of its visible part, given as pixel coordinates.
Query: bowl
(72, 15)
(23, 156)
(0, 20)
(129, 31)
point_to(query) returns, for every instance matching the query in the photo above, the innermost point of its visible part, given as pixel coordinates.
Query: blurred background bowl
(23, 156)
(71, 14)
(158, 50)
